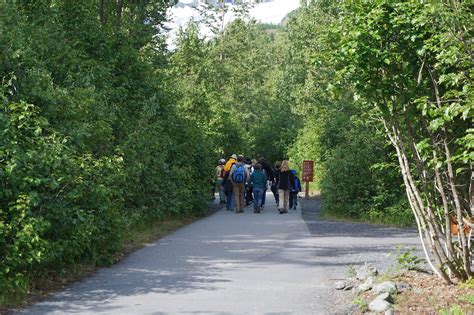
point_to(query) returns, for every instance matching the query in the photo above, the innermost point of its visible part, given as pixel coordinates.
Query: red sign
(308, 167)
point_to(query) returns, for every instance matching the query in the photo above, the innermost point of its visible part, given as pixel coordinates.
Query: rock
(378, 305)
(385, 296)
(417, 291)
(387, 286)
(367, 285)
(348, 286)
(340, 285)
(366, 271)
(401, 287)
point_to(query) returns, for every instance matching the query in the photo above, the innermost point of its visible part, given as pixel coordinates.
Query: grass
(387, 221)
(146, 233)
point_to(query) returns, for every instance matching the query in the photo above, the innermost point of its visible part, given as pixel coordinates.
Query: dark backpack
(239, 174)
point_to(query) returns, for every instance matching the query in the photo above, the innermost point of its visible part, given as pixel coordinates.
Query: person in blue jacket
(258, 182)
(295, 189)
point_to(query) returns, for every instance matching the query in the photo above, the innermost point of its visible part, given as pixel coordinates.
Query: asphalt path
(227, 263)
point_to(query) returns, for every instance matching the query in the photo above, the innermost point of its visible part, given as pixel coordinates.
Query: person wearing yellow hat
(230, 162)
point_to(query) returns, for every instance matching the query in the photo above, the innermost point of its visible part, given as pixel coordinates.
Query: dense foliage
(412, 66)
(103, 128)
(400, 72)
(356, 168)
(92, 142)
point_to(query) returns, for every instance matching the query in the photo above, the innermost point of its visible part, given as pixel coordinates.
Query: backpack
(297, 186)
(239, 174)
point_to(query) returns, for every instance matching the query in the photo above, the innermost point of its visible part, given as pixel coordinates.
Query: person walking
(267, 170)
(285, 181)
(229, 191)
(238, 175)
(249, 168)
(295, 190)
(219, 174)
(258, 182)
(230, 162)
(274, 187)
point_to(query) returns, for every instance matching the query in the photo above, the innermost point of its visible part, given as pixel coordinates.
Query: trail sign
(308, 167)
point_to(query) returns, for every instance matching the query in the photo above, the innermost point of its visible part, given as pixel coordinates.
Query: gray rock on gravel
(366, 271)
(367, 285)
(387, 286)
(378, 305)
(340, 285)
(386, 297)
(349, 286)
(343, 285)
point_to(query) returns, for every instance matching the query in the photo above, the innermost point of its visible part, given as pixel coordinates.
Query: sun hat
(234, 156)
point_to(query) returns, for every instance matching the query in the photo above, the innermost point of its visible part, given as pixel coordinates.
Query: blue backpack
(239, 174)
(297, 186)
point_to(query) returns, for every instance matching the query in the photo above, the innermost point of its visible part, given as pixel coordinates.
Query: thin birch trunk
(415, 206)
(118, 16)
(457, 203)
(102, 13)
(466, 255)
(442, 192)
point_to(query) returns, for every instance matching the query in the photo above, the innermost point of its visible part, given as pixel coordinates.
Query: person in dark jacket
(267, 170)
(229, 191)
(285, 182)
(294, 191)
(249, 167)
(274, 187)
(258, 182)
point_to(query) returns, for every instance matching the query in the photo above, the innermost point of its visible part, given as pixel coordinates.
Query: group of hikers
(242, 181)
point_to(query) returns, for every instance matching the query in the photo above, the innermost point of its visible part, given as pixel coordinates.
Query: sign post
(308, 167)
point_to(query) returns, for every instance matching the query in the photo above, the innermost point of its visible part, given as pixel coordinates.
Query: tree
(411, 64)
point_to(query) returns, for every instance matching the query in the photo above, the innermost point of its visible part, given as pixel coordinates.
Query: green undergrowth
(388, 218)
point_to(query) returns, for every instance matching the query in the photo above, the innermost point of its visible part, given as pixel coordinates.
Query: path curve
(232, 263)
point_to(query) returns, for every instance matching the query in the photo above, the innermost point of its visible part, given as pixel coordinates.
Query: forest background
(103, 128)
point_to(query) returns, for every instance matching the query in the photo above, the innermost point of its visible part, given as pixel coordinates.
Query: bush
(56, 208)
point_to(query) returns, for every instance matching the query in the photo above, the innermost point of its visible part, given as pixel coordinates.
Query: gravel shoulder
(351, 245)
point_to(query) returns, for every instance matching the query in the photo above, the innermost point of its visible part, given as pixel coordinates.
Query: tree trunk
(102, 12)
(466, 255)
(118, 15)
(416, 207)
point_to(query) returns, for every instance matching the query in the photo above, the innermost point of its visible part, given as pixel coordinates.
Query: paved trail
(235, 264)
